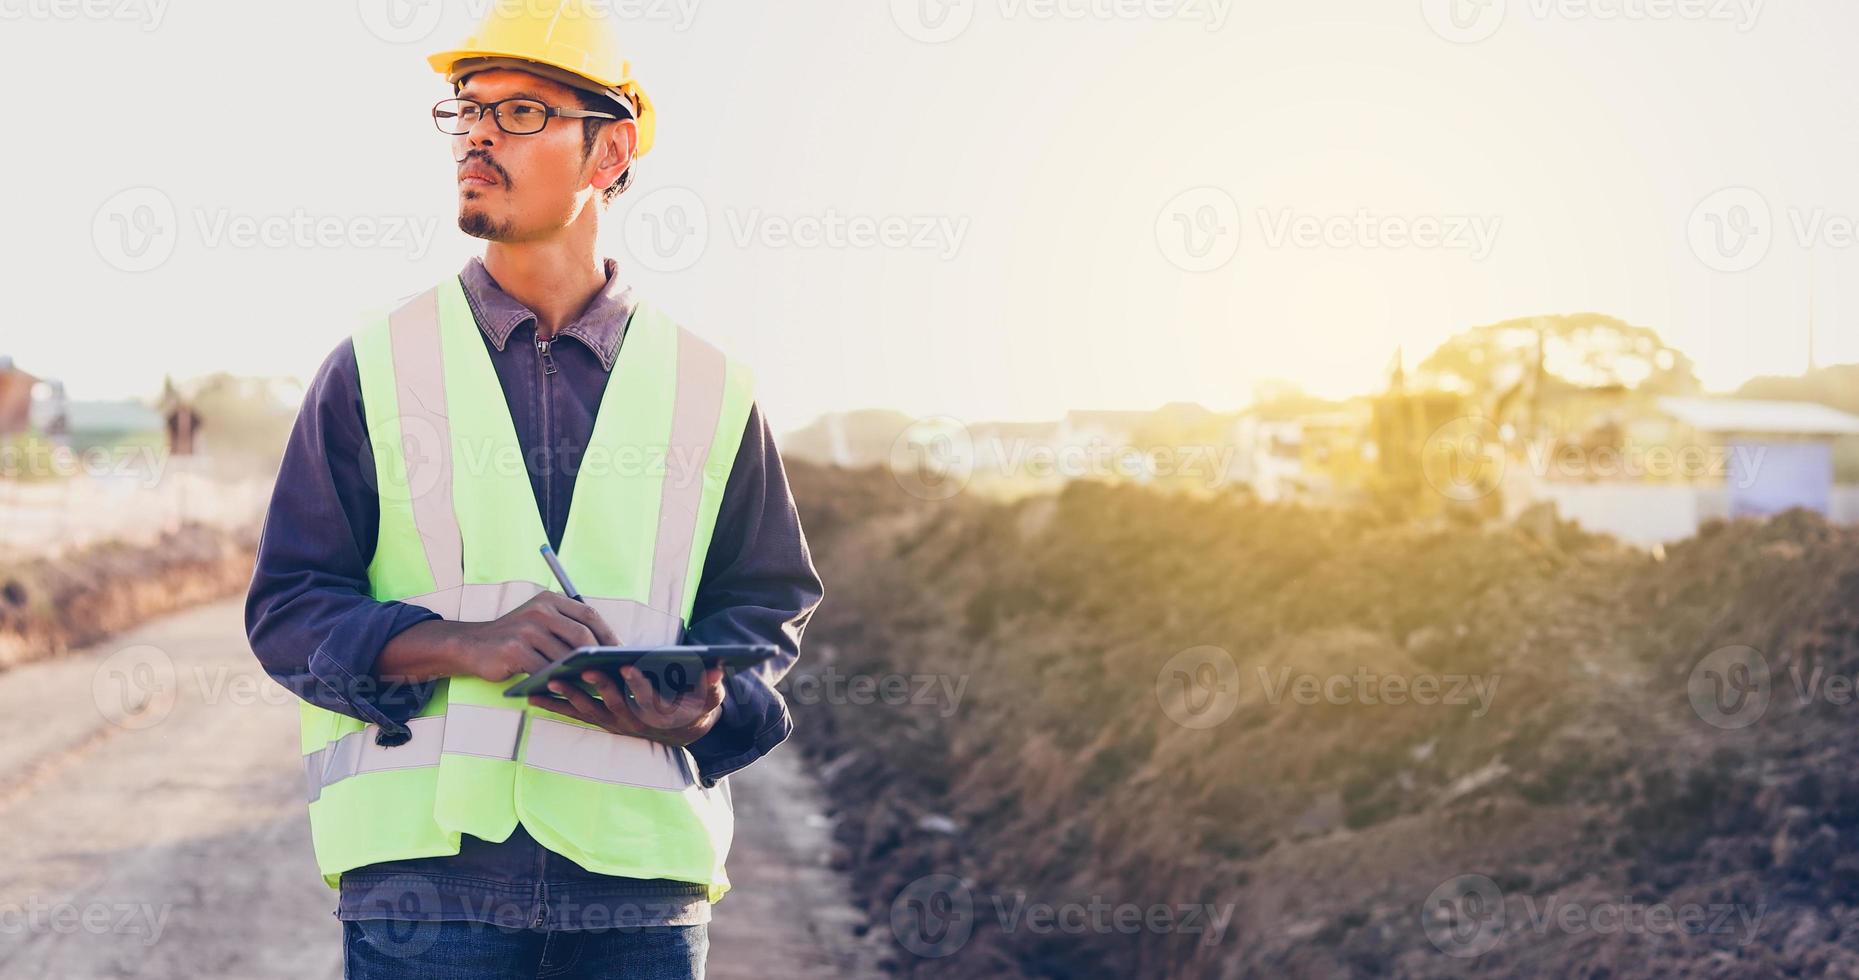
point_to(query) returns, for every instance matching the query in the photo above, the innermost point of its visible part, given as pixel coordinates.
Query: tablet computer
(671, 669)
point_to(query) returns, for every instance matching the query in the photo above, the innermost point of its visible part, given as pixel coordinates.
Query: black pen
(561, 574)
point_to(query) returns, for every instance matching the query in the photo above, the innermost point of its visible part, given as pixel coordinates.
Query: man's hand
(522, 641)
(640, 710)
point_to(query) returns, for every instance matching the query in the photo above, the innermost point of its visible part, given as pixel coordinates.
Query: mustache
(485, 158)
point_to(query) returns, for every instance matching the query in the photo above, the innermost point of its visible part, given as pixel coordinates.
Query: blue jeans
(374, 949)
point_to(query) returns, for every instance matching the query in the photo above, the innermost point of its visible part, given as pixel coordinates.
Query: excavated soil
(1585, 786)
(51, 606)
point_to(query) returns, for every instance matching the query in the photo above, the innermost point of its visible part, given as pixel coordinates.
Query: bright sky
(1124, 202)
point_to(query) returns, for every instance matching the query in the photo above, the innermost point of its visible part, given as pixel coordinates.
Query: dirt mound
(50, 606)
(1382, 749)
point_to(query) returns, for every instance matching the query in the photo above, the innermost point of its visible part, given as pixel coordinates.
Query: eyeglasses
(518, 117)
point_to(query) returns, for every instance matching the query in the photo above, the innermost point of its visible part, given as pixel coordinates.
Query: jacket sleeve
(758, 586)
(309, 615)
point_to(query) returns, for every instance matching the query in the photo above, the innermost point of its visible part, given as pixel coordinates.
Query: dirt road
(154, 827)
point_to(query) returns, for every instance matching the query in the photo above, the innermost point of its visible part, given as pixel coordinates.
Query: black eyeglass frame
(496, 112)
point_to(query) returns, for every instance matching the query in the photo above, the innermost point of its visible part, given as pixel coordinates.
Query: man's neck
(556, 279)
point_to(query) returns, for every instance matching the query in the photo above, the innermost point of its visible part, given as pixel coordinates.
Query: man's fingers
(609, 689)
(713, 687)
(571, 631)
(559, 707)
(530, 661)
(586, 615)
(591, 711)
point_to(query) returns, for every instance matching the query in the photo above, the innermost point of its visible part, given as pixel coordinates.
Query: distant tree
(1584, 351)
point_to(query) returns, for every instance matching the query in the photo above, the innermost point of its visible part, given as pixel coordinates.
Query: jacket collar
(601, 326)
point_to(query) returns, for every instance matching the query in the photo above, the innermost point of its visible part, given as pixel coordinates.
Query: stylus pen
(561, 574)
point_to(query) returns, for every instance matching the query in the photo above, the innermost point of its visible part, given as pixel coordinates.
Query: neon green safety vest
(459, 535)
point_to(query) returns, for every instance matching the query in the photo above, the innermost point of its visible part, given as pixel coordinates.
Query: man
(399, 589)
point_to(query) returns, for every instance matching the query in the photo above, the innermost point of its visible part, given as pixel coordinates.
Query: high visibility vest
(459, 535)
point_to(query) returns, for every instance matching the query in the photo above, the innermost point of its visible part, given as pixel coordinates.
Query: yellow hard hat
(575, 42)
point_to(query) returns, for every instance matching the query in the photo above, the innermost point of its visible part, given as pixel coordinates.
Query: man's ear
(613, 153)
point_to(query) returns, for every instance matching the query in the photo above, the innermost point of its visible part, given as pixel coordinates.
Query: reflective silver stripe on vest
(702, 370)
(419, 385)
(474, 729)
(592, 753)
(357, 753)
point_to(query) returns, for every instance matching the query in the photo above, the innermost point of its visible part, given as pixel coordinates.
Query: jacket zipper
(548, 436)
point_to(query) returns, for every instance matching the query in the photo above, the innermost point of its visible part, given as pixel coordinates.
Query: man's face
(521, 188)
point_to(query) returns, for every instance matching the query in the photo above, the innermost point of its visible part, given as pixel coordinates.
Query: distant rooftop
(112, 416)
(1760, 416)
